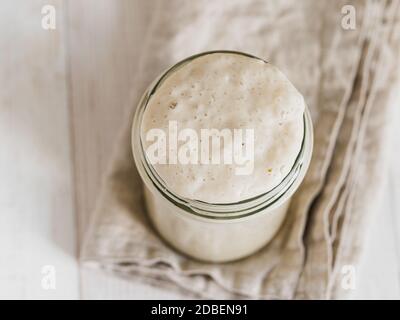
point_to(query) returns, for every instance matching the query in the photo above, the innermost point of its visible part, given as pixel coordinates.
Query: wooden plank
(37, 221)
(377, 275)
(379, 270)
(104, 40)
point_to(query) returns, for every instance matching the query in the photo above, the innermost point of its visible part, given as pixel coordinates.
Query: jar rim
(247, 207)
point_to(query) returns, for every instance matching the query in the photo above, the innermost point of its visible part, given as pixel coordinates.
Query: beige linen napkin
(346, 77)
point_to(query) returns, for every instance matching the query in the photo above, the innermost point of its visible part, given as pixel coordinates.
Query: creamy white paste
(224, 90)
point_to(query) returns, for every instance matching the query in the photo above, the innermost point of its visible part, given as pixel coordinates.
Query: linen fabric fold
(346, 77)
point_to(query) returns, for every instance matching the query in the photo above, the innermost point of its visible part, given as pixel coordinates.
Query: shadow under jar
(215, 232)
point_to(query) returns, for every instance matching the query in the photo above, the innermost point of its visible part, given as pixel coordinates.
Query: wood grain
(37, 221)
(104, 42)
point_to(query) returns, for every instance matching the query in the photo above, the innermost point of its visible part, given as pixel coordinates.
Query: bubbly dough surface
(228, 90)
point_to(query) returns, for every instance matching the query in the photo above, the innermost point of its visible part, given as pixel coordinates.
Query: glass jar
(216, 232)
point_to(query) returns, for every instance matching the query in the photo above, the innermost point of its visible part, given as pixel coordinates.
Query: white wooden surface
(60, 89)
(104, 43)
(37, 220)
